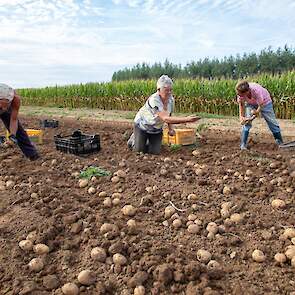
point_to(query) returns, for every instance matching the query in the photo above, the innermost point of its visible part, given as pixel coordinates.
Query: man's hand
(255, 112)
(243, 120)
(171, 132)
(13, 139)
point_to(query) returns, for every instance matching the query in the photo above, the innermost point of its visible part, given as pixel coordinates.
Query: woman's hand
(193, 118)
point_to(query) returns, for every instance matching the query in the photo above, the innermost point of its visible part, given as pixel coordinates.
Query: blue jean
(267, 114)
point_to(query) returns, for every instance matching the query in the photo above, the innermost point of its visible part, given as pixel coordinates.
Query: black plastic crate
(77, 143)
(48, 123)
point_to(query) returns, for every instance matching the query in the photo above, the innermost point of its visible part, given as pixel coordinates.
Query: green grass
(93, 171)
(204, 115)
(129, 115)
(175, 147)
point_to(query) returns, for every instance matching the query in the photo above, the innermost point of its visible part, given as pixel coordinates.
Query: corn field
(191, 96)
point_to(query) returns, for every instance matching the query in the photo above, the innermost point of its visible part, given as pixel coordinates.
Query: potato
(198, 222)
(166, 194)
(274, 165)
(149, 189)
(175, 216)
(200, 172)
(98, 254)
(226, 190)
(115, 179)
(249, 172)
(131, 223)
(102, 194)
(108, 227)
(36, 264)
(128, 210)
(278, 204)
(163, 171)
(289, 232)
(192, 217)
(258, 256)
(213, 264)
(119, 259)
(117, 195)
(83, 183)
(193, 228)
(169, 211)
(107, 202)
(212, 227)
(32, 236)
(280, 258)
(34, 195)
(192, 197)
(196, 153)
(226, 205)
(41, 249)
(177, 223)
(139, 290)
(290, 251)
(178, 176)
(10, 183)
(26, 245)
(91, 190)
(120, 173)
(204, 256)
(70, 289)
(86, 277)
(116, 201)
(224, 213)
(236, 218)
(293, 261)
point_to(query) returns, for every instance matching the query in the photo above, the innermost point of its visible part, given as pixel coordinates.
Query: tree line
(232, 67)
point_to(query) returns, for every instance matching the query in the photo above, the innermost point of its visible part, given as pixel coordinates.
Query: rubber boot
(244, 138)
(278, 137)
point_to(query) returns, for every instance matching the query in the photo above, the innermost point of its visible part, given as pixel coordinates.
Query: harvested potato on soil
(258, 256)
(70, 289)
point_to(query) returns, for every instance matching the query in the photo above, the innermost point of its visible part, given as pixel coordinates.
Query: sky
(61, 42)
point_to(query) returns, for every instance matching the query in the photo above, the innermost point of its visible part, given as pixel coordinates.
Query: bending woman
(149, 121)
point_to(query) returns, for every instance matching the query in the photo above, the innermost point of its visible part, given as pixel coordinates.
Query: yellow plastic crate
(182, 136)
(35, 135)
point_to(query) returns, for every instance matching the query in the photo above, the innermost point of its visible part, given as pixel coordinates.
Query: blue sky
(77, 41)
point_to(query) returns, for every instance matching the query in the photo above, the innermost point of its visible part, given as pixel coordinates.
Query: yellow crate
(182, 136)
(35, 135)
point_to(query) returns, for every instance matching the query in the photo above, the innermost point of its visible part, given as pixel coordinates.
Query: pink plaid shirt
(259, 95)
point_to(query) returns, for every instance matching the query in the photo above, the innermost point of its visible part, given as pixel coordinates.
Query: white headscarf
(6, 92)
(164, 81)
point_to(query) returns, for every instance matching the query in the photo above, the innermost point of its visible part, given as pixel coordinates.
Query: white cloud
(84, 34)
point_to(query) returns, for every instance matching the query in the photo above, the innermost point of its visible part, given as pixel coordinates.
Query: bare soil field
(217, 199)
